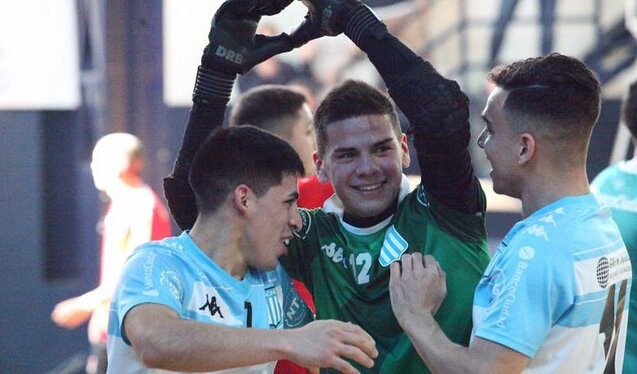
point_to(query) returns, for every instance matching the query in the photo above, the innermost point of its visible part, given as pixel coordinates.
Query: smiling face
(271, 223)
(500, 145)
(363, 159)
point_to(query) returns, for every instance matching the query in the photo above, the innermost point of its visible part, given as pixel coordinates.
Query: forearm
(210, 97)
(179, 345)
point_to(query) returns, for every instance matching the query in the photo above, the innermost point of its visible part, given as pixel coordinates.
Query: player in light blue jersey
(215, 298)
(555, 296)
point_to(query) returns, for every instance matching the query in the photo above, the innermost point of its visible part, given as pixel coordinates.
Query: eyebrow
(383, 142)
(349, 149)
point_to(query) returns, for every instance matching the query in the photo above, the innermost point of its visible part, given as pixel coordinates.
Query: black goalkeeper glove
(233, 47)
(352, 17)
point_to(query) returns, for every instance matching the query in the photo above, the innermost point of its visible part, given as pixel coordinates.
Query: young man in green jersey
(343, 251)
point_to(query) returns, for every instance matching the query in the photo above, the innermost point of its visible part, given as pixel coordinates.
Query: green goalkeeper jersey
(347, 269)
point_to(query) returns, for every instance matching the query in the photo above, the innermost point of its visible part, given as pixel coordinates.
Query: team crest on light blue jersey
(393, 247)
(275, 312)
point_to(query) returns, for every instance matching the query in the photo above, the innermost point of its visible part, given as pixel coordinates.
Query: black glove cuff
(212, 84)
(362, 23)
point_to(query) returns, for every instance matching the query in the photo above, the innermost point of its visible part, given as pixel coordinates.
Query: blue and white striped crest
(275, 312)
(393, 247)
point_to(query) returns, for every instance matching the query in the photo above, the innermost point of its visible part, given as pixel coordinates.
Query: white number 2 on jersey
(364, 259)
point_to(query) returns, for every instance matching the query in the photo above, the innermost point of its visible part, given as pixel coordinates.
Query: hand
(71, 313)
(327, 344)
(233, 46)
(330, 15)
(416, 290)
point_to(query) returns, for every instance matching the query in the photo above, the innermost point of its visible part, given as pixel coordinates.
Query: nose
(482, 138)
(295, 221)
(366, 165)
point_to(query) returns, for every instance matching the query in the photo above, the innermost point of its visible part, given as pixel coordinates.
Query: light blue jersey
(557, 290)
(176, 274)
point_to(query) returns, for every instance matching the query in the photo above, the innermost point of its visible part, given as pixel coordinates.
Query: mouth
(369, 187)
(286, 240)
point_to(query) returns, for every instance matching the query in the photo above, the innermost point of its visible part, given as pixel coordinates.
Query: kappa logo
(393, 247)
(229, 54)
(211, 305)
(537, 230)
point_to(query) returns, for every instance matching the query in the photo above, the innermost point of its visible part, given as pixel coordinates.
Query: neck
(216, 236)
(544, 189)
(123, 187)
(363, 222)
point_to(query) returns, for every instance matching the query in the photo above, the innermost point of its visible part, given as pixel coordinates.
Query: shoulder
(169, 250)
(604, 176)
(313, 218)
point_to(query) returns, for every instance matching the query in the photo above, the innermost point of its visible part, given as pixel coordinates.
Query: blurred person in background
(134, 216)
(616, 186)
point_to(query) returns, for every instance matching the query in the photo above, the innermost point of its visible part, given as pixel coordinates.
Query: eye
(346, 155)
(384, 148)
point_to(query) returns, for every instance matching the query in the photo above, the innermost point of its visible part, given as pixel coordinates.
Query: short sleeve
(149, 276)
(530, 286)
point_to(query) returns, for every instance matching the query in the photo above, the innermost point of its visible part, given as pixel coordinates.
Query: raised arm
(437, 109)
(233, 49)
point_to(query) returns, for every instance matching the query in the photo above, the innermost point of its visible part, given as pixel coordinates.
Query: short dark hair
(351, 99)
(268, 107)
(240, 155)
(554, 89)
(629, 110)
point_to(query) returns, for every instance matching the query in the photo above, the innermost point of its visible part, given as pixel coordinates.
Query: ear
(404, 146)
(525, 148)
(321, 173)
(243, 199)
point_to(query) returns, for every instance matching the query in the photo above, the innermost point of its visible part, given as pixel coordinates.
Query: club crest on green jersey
(393, 247)
(306, 220)
(421, 196)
